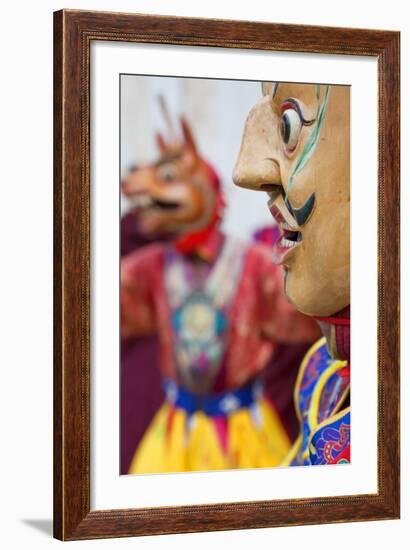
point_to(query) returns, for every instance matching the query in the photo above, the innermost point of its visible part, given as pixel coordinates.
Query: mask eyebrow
(292, 102)
(168, 158)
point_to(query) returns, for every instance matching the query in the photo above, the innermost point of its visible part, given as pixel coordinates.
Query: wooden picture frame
(74, 32)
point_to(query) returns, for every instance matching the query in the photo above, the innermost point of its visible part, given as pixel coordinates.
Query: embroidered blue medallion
(199, 329)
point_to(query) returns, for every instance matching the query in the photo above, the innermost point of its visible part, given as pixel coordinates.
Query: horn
(167, 117)
(161, 144)
(188, 135)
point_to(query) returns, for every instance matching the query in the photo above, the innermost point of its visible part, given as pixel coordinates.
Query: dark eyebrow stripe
(303, 213)
(299, 111)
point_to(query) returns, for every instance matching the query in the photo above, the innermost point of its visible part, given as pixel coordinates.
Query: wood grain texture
(73, 33)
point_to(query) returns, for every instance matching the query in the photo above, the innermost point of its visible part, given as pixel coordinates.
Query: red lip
(276, 214)
(288, 239)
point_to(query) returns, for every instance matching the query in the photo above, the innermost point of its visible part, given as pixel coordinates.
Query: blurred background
(216, 111)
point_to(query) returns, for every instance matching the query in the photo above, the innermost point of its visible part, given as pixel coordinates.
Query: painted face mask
(296, 147)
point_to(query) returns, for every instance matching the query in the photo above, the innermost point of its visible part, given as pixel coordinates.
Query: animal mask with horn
(179, 194)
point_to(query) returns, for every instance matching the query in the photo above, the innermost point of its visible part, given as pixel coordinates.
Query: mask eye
(167, 172)
(291, 126)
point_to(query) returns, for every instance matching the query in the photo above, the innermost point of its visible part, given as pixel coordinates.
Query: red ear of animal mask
(189, 141)
(161, 144)
(191, 241)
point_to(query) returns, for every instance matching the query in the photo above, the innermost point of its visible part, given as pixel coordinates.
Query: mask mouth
(165, 205)
(289, 237)
(146, 201)
(282, 215)
(290, 233)
(140, 200)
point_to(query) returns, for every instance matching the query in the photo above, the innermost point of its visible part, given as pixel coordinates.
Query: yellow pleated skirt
(246, 438)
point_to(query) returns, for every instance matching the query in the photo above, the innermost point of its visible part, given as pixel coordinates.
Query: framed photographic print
(226, 275)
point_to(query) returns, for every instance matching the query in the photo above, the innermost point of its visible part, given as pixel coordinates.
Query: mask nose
(257, 164)
(136, 182)
(131, 186)
(258, 174)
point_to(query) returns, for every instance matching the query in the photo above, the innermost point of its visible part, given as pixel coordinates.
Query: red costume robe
(219, 319)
